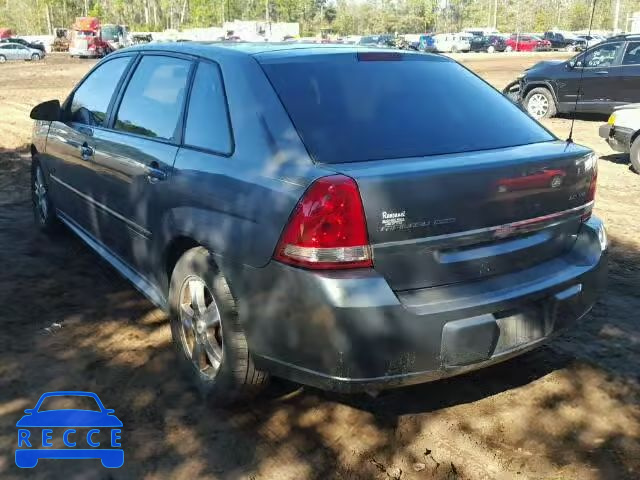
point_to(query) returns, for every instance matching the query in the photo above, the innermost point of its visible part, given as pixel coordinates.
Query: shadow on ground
(567, 410)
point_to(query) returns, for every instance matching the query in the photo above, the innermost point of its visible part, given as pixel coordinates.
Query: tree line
(340, 17)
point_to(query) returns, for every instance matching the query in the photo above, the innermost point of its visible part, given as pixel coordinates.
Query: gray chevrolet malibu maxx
(301, 213)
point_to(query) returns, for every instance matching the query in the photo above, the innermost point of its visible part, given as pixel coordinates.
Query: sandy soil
(569, 410)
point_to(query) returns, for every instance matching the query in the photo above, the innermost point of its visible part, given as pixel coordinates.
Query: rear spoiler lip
(497, 232)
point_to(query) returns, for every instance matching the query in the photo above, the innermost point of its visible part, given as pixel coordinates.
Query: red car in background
(542, 178)
(527, 43)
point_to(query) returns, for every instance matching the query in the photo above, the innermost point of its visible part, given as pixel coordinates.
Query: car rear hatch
(452, 218)
(457, 183)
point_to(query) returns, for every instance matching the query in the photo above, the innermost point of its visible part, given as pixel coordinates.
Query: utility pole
(495, 14)
(616, 16)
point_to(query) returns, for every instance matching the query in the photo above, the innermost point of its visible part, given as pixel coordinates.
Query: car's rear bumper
(618, 138)
(348, 331)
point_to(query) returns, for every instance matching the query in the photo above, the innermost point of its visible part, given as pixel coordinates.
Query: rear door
(71, 142)
(8, 51)
(630, 82)
(133, 158)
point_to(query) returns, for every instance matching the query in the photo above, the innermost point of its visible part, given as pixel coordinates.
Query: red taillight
(591, 196)
(327, 229)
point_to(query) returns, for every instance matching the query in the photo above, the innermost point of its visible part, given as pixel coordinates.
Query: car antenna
(575, 106)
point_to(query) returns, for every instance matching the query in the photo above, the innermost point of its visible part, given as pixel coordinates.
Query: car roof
(630, 36)
(262, 49)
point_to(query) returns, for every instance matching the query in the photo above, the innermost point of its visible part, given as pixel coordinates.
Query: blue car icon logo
(100, 421)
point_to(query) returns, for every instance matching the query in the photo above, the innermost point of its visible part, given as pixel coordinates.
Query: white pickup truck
(622, 132)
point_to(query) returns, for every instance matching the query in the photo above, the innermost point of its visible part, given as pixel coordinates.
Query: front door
(630, 91)
(134, 157)
(597, 75)
(70, 142)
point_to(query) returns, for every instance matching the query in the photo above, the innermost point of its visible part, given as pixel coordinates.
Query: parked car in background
(488, 43)
(453, 42)
(607, 74)
(314, 240)
(34, 45)
(565, 41)
(378, 40)
(622, 132)
(591, 40)
(526, 43)
(352, 39)
(17, 51)
(427, 44)
(412, 40)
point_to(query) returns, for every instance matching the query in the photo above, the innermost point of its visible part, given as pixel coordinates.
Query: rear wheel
(509, 48)
(540, 103)
(491, 49)
(207, 332)
(634, 155)
(454, 49)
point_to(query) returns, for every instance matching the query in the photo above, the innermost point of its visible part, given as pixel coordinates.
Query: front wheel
(43, 209)
(491, 49)
(454, 49)
(3, 59)
(540, 103)
(206, 330)
(35, 57)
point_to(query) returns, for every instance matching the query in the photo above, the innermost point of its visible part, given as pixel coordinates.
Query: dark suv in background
(488, 43)
(277, 202)
(607, 75)
(561, 41)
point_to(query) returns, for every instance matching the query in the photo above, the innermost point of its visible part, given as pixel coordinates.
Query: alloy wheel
(538, 105)
(40, 195)
(200, 327)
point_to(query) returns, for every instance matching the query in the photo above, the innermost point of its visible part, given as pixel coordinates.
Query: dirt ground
(569, 410)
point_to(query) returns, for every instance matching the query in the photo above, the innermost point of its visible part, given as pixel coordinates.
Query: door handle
(602, 72)
(86, 152)
(155, 174)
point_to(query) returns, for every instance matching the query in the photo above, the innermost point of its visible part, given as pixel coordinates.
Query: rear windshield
(347, 110)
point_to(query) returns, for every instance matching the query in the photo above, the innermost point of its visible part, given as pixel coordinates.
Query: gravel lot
(569, 410)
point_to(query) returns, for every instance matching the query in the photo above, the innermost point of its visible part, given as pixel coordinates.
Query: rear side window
(347, 110)
(91, 100)
(207, 119)
(153, 101)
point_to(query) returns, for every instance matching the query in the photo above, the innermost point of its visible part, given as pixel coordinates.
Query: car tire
(207, 333)
(540, 103)
(35, 57)
(634, 155)
(491, 49)
(508, 48)
(3, 59)
(43, 208)
(454, 49)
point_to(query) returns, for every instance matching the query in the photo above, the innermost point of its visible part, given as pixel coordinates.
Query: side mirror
(109, 411)
(47, 111)
(29, 411)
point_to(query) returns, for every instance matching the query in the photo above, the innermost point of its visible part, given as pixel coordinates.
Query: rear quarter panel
(237, 205)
